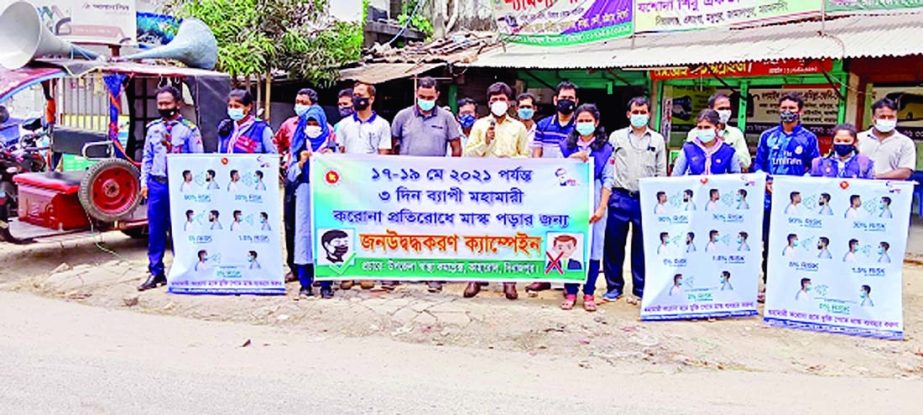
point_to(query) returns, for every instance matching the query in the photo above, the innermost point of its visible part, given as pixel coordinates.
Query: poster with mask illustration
(702, 245)
(225, 216)
(448, 219)
(836, 251)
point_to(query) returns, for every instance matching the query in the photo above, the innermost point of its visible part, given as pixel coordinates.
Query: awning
(15, 80)
(375, 73)
(848, 37)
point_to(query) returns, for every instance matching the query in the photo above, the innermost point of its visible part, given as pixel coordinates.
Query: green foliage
(418, 21)
(256, 36)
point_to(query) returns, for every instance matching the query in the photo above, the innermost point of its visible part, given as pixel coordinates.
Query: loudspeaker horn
(24, 38)
(193, 45)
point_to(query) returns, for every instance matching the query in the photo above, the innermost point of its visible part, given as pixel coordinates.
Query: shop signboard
(563, 22)
(821, 109)
(850, 6)
(741, 69)
(108, 22)
(677, 15)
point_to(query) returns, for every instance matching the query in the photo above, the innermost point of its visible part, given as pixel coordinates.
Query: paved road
(58, 357)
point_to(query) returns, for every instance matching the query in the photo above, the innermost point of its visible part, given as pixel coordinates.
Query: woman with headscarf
(315, 135)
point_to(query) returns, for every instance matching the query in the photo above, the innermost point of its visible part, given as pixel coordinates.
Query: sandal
(589, 303)
(569, 301)
(634, 300)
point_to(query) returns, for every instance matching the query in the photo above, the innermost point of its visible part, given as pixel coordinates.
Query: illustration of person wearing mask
(885, 208)
(865, 294)
(213, 218)
(336, 244)
(804, 294)
(853, 212)
(235, 180)
(742, 200)
(742, 245)
(235, 224)
(190, 220)
(251, 258)
(677, 288)
(824, 203)
(794, 201)
(260, 186)
(264, 222)
(661, 207)
(712, 244)
(210, 179)
(883, 257)
(563, 180)
(789, 250)
(823, 245)
(690, 242)
(663, 249)
(187, 182)
(726, 281)
(688, 204)
(202, 265)
(713, 197)
(851, 254)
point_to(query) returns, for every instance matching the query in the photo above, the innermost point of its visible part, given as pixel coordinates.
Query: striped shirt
(549, 134)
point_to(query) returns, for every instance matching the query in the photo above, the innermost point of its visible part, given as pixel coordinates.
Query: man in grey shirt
(894, 154)
(425, 129)
(639, 152)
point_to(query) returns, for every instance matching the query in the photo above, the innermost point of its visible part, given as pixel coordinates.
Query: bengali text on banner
(674, 15)
(836, 250)
(563, 22)
(702, 240)
(453, 219)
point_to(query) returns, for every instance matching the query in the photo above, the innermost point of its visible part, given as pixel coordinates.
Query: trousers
(158, 222)
(624, 214)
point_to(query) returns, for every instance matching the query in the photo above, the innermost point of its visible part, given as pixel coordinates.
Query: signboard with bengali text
(677, 15)
(563, 22)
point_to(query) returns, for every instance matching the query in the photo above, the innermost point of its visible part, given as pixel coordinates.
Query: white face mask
(499, 108)
(885, 126)
(312, 131)
(724, 116)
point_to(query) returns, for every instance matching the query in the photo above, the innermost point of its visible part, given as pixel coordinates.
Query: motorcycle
(24, 156)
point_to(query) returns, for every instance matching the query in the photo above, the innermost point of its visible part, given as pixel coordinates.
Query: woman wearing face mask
(242, 132)
(588, 140)
(299, 175)
(706, 154)
(844, 160)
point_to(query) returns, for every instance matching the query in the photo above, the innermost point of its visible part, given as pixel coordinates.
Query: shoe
(326, 292)
(346, 285)
(153, 281)
(367, 284)
(538, 286)
(434, 286)
(389, 285)
(306, 292)
(612, 296)
(291, 277)
(472, 289)
(509, 289)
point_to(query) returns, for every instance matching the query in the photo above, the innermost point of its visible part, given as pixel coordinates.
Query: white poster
(225, 217)
(702, 239)
(836, 250)
(109, 22)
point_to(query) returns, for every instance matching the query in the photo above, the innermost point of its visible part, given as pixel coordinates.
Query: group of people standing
(575, 131)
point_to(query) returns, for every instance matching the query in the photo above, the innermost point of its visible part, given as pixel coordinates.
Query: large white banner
(836, 250)
(225, 217)
(702, 238)
(111, 22)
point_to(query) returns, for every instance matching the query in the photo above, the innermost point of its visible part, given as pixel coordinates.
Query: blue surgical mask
(881, 251)
(706, 135)
(466, 120)
(585, 128)
(426, 105)
(236, 114)
(639, 120)
(525, 113)
(301, 109)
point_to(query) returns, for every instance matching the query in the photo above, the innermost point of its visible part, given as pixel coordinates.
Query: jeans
(306, 277)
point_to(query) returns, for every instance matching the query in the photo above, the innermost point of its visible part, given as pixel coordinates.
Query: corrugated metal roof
(848, 37)
(375, 73)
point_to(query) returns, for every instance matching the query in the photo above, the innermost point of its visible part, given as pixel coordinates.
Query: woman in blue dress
(243, 132)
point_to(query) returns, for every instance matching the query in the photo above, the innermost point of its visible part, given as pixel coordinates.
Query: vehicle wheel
(139, 232)
(110, 191)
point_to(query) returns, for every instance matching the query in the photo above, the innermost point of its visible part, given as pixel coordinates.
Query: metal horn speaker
(193, 45)
(23, 37)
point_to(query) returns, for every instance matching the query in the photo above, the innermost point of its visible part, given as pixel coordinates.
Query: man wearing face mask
(467, 115)
(639, 152)
(344, 106)
(784, 150)
(425, 129)
(171, 134)
(364, 132)
(894, 154)
(729, 134)
(550, 131)
(525, 112)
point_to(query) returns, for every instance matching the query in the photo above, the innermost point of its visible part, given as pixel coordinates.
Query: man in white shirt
(804, 295)
(851, 254)
(883, 257)
(364, 132)
(210, 179)
(264, 222)
(721, 103)
(894, 155)
(742, 200)
(663, 249)
(677, 289)
(712, 244)
(865, 295)
(790, 249)
(742, 245)
(690, 242)
(190, 220)
(714, 195)
(661, 207)
(884, 208)
(213, 217)
(726, 281)
(235, 181)
(795, 200)
(187, 182)
(235, 224)
(823, 245)
(688, 203)
(824, 203)
(853, 212)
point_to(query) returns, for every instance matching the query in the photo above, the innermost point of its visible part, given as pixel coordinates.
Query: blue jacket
(858, 166)
(699, 162)
(600, 157)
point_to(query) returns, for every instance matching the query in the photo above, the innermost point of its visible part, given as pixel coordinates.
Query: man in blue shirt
(171, 134)
(784, 150)
(551, 131)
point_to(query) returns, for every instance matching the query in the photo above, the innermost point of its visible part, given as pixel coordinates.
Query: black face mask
(566, 106)
(360, 103)
(167, 112)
